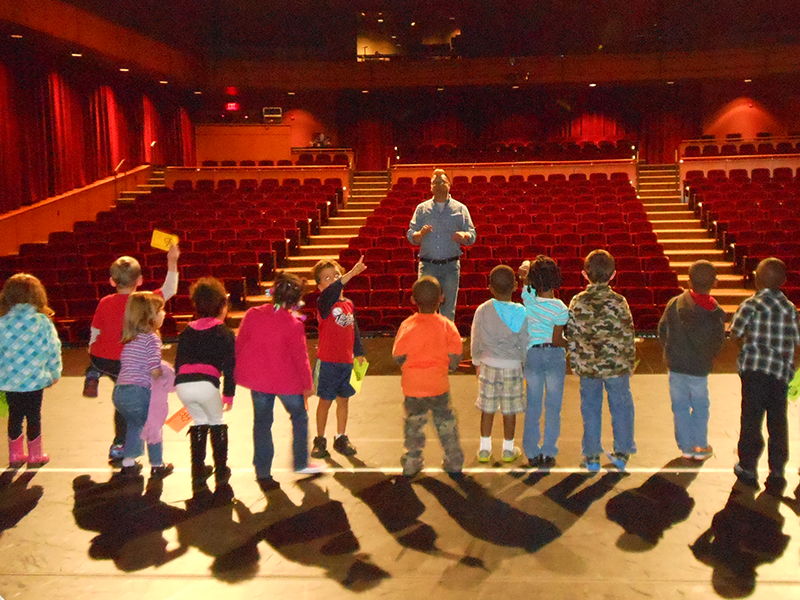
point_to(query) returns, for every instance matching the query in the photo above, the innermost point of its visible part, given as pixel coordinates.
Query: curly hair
(544, 274)
(208, 296)
(287, 290)
(24, 288)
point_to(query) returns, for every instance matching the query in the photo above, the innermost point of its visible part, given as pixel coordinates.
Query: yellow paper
(179, 420)
(358, 374)
(163, 240)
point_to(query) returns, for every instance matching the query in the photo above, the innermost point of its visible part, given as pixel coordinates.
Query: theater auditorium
(265, 139)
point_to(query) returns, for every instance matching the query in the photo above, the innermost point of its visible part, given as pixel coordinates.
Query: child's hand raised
(173, 254)
(358, 268)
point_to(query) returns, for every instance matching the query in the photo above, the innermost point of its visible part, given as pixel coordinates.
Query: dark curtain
(11, 173)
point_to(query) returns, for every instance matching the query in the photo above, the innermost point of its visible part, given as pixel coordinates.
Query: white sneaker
(311, 469)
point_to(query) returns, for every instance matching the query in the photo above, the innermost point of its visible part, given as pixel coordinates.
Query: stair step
(300, 271)
(134, 193)
(671, 215)
(675, 223)
(671, 234)
(723, 267)
(307, 261)
(658, 195)
(689, 243)
(316, 249)
(731, 296)
(723, 281)
(324, 239)
(711, 254)
(359, 205)
(354, 212)
(357, 221)
(339, 230)
(662, 207)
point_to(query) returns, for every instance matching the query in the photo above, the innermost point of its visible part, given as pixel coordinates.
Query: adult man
(440, 226)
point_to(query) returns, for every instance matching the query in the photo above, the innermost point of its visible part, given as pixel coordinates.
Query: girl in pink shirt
(272, 360)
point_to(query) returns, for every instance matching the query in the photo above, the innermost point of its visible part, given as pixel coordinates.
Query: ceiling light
(413, 23)
(123, 69)
(592, 85)
(15, 36)
(76, 54)
(748, 80)
(380, 20)
(163, 82)
(290, 93)
(514, 87)
(439, 89)
(197, 93)
(670, 83)
(365, 91)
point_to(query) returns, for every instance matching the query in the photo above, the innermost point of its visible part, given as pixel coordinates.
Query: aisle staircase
(156, 181)
(682, 235)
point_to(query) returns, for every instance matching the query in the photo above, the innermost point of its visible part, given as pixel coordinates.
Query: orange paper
(179, 420)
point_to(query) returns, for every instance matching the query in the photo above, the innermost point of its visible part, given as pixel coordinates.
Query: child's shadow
(394, 503)
(318, 533)
(128, 519)
(646, 512)
(746, 533)
(483, 516)
(223, 528)
(16, 498)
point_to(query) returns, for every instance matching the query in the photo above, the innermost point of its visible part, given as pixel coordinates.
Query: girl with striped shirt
(140, 363)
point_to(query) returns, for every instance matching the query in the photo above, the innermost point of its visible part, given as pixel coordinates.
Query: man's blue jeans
(620, 405)
(689, 395)
(545, 368)
(264, 450)
(448, 276)
(133, 402)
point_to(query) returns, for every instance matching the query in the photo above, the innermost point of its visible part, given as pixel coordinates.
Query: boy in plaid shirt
(766, 325)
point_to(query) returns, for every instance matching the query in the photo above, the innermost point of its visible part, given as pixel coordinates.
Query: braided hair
(287, 290)
(544, 275)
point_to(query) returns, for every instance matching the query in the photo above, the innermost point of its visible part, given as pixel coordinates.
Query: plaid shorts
(501, 390)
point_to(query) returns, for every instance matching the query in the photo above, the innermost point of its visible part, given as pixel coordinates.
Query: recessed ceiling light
(365, 91)
(748, 80)
(197, 93)
(592, 85)
(76, 54)
(413, 23)
(394, 37)
(16, 36)
(163, 82)
(123, 69)
(439, 89)
(670, 83)
(290, 93)
(514, 87)
(380, 20)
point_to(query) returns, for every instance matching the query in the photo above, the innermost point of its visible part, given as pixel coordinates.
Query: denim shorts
(333, 380)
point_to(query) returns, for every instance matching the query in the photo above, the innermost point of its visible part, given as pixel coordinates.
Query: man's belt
(437, 261)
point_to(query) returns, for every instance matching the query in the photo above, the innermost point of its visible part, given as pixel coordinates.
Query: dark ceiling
(328, 29)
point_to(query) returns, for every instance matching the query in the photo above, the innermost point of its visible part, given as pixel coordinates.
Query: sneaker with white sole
(703, 453)
(618, 459)
(511, 455)
(484, 456)
(591, 463)
(310, 469)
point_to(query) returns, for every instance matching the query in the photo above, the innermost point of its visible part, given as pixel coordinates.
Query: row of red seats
(267, 184)
(598, 178)
(741, 149)
(757, 175)
(303, 159)
(554, 151)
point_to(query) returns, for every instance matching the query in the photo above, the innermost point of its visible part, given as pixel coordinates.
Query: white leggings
(203, 401)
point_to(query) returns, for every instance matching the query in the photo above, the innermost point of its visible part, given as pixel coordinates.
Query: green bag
(3, 405)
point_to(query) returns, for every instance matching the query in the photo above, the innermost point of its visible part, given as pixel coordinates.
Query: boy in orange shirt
(427, 346)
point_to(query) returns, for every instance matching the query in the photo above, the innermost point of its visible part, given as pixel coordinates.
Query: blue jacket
(446, 220)
(30, 351)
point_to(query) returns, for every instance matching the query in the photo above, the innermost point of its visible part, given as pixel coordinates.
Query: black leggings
(21, 406)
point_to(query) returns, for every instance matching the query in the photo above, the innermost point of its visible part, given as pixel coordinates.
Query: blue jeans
(133, 402)
(264, 450)
(689, 395)
(545, 368)
(620, 405)
(448, 276)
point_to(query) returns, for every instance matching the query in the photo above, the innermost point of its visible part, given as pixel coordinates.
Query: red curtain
(71, 165)
(187, 156)
(115, 131)
(593, 127)
(11, 182)
(152, 132)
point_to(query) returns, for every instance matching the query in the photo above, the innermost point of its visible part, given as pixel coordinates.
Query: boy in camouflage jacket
(600, 340)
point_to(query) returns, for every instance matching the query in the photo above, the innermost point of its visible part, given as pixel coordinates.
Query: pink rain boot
(16, 452)
(36, 458)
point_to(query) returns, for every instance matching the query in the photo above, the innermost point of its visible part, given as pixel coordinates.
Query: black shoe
(268, 484)
(343, 446)
(535, 462)
(319, 450)
(90, 387)
(219, 449)
(131, 471)
(547, 462)
(161, 471)
(775, 484)
(748, 478)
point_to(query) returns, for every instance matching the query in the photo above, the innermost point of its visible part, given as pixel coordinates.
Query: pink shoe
(36, 458)
(16, 452)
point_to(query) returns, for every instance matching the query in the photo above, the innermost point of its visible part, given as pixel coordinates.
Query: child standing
(140, 363)
(498, 340)
(272, 360)
(545, 363)
(106, 330)
(30, 360)
(206, 352)
(600, 339)
(339, 345)
(427, 346)
(692, 331)
(767, 326)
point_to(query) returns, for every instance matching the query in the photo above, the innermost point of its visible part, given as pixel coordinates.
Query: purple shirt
(139, 357)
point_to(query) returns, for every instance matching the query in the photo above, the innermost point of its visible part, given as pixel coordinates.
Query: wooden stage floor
(666, 529)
